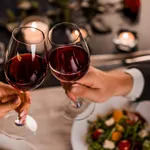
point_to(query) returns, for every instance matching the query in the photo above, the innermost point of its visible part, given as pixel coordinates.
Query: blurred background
(116, 31)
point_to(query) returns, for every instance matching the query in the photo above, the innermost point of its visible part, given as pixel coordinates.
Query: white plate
(79, 128)
(10, 144)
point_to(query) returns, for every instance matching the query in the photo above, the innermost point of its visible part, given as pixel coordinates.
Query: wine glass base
(10, 129)
(71, 112)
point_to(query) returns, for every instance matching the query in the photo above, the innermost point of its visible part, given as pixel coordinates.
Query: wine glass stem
(77, 103)
(23, 97)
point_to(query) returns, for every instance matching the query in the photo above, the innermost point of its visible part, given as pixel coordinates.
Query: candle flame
(34, 25)
(125, 35)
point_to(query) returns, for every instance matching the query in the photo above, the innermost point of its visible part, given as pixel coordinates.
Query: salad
(120, 130)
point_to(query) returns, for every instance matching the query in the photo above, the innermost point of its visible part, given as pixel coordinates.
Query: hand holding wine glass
(100, 86)
(10, 99)
(69, 61)
(25, 69)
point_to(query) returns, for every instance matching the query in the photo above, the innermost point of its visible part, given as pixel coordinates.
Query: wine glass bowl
(72, 66)
(25, 69)
(69, 60)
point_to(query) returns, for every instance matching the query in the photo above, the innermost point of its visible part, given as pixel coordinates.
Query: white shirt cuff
(138, 83)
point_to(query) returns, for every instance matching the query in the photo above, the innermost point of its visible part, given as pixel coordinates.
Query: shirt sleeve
(138, 83)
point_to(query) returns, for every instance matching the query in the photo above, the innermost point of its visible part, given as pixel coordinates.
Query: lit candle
(75, 34)
(84, 33)
(33, 36)
(40, 25)
(126, 38)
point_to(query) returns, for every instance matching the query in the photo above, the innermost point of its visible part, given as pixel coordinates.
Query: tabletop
(54, 131)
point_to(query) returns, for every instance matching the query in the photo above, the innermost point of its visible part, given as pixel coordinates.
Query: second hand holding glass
(25, 69)
(69, 60)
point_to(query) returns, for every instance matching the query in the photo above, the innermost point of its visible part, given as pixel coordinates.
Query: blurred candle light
(75, 34)
(126, 38)
(40, 25)
(33, 36)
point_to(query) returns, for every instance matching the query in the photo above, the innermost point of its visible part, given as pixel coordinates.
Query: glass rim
(58, 24)
(29, 44)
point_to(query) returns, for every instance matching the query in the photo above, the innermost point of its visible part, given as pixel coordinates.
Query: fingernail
(22, 113)
(22, 120)
(16, 100)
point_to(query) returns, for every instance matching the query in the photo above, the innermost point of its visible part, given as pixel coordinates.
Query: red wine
(26, 71)
(69, 63)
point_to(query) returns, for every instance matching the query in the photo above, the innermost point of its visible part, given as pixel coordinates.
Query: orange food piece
(116, 136)
(117, 115)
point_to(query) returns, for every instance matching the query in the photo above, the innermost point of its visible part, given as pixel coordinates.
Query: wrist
(121, 82)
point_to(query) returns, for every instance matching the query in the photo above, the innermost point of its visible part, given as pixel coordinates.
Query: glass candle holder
(125, 40)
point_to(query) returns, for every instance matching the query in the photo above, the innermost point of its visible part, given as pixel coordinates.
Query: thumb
(10, 105)
(85, 92)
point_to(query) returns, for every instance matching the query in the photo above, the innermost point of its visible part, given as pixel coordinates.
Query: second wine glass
(25, 69)
(69, 60)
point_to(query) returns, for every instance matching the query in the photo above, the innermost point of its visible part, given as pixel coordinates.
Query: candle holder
(126, 40)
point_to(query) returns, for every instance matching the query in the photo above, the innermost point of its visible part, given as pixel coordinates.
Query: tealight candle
(126, 38)
(84, 33)
(33, 36)
(40, 22)
(40, 25)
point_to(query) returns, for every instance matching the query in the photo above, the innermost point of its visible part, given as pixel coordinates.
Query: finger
(24, 107)
(8, 98)
(71, 95)
(6, 89)
(88, 79)
(8, 106)
(23, 119)
(85, 92)
(25, 97)
(23, 111)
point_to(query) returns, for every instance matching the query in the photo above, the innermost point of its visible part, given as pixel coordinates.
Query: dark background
(99, 43)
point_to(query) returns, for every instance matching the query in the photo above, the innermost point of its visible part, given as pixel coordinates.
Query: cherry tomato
(124, 145)
(97, 133)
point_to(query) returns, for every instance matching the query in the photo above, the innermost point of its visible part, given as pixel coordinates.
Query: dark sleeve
(145, 69)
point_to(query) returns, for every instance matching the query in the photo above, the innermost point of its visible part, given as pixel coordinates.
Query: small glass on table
(69, 60)
(25, 69)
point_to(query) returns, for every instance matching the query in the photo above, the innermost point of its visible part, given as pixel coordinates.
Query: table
(54, 131)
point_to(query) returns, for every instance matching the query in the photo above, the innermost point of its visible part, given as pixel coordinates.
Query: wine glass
(25, 69)
(69, 60)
